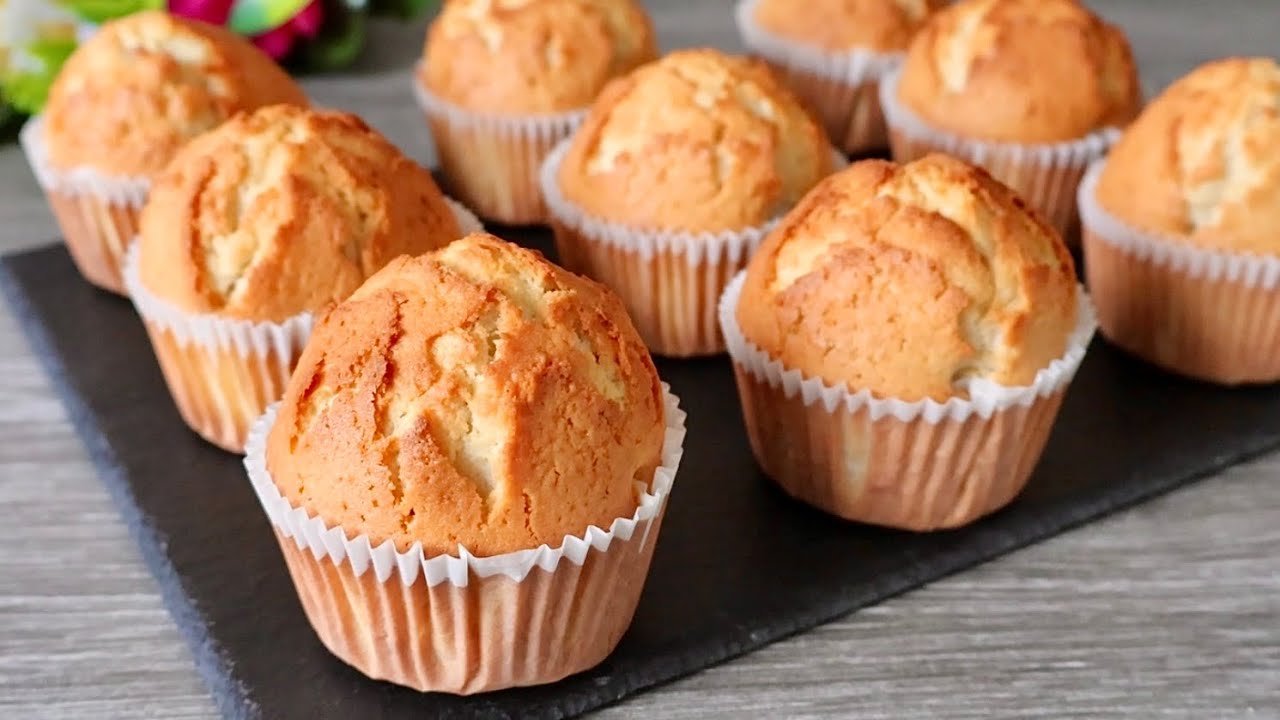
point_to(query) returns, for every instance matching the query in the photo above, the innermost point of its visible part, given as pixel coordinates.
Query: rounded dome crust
(532, 56)
(906, 279)
(1031, 71)
(285, 210)
(1201, 161)
(842, 25)
(477, 396)
(150, 82)
(696, 141)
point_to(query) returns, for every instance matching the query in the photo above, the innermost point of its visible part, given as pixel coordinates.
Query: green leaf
(97, 11)
(339, 43)
(27, 90)
(253, 17)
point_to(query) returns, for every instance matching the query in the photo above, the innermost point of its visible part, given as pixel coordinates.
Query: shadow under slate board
(738, 564)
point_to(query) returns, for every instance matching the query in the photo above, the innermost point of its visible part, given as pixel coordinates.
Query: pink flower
(214, 12)
(306, 24)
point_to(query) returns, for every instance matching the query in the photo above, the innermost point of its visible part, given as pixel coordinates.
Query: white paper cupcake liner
(985, 398)
(852, 67)
(490, 161)
(732, 246)
(313, 533)
(123, 190)
(1208, 314)
(1253, 271)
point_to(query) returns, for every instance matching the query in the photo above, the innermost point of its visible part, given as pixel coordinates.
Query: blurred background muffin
(475, 402)
(832, 54)
(1182, 226)
(121, 107)
(936, 323)
(671, 182)
(254, 227)
(501, 82)
(1031, 90)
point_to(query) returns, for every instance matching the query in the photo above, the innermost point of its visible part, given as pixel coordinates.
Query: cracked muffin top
(1201, 162)
(696, 141)
(146, 84)
(532, 56)
(477, 396)
(1020, 71)
(909, 280)
(839, 25)
(282, 211)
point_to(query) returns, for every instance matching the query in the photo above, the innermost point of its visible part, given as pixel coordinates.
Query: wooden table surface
(1171, 609)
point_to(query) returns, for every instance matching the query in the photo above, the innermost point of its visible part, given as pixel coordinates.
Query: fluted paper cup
(921, 465)
(668, 280)
(463, 624)
(841, 88)
(490, 162)
(223, 372)
(97, 213)
(1046, 175)
(1207, 314)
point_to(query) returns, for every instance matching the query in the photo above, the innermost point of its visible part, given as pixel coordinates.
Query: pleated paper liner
(1207, 314)
(490, 162)
(97, 213)
(224, 372)
(1046, 175)
(920, 465)
(841, 88)
(669, 280)
(464, 624)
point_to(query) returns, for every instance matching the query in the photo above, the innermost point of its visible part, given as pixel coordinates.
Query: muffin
(673, 180)
(254, 227)
(1031, 90)
(1182, 227)
(488, 432)
(501, 83)
(833, 53)
(902, 343)
(121, 107)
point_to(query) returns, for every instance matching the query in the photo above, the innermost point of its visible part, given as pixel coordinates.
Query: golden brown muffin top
(696, 141)
(532, 56)
(145, 84)
(1202, 161)
(282, 211)
(478, 395)
(1020, 71)
(841, 25)
(906, 279)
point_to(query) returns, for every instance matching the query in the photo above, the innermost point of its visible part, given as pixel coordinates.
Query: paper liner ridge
(985, 397)
(81, 180)
(1254, 271)
(311, 532)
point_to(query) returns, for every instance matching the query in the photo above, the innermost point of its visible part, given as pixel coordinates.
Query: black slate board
(738, 565)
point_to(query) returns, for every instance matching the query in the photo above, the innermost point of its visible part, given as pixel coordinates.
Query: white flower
(23, 22)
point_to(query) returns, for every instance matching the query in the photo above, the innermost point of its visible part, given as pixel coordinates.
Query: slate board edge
(211, 663)
(233, 700)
